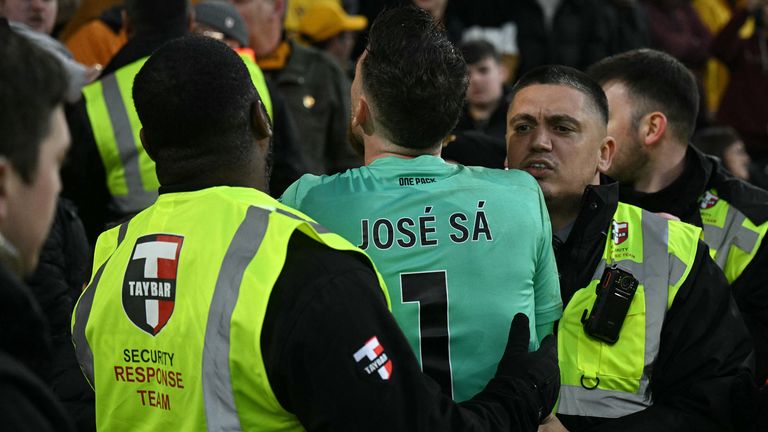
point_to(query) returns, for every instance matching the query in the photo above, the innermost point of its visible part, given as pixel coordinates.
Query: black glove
(538, 368)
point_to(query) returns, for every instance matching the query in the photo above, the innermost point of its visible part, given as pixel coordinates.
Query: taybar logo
(620, 232)
(708, 200)
(372, 358)
(149, 285)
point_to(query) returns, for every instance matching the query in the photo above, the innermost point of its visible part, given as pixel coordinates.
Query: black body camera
(614, 295)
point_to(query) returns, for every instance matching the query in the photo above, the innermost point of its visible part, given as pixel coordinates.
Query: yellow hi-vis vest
(131, 178)
(733, 239)
(602, 380)
(168, 330)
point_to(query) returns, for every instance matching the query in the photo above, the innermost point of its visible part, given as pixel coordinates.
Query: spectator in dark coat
(575, 33)
(677, 30)
(744, 105)
(35, 141)
(56, 284)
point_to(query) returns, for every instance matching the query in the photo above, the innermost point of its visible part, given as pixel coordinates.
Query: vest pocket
(596, 364)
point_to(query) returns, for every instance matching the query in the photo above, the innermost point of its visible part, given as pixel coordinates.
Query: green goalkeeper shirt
(461, 249)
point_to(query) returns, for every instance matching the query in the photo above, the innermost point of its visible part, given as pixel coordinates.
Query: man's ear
(260, 124)
(653, 127)
(607, 151)
(144, 143)
(361, 116)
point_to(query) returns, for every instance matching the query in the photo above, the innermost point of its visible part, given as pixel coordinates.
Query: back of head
(33, 85)
(569, 77)
(414, 78)
(194, 97)
(475, 51)
(157, 16)
(655, 81)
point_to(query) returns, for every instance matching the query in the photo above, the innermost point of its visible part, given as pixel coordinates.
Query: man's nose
(542, 141)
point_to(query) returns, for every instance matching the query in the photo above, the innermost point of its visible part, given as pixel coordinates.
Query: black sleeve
(83, 177)
(701, 380)
(326, 306)
(750, 290)
(26, 404)
(62, 269)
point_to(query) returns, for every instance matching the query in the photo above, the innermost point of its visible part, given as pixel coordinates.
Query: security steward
(661, 172)
(650, 337)
(110, 176)
(219, 308)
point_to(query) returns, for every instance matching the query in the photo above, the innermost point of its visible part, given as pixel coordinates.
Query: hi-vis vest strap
(602, 380)
(732, 238)
(168, 330)
(257, 76)
(131, 178)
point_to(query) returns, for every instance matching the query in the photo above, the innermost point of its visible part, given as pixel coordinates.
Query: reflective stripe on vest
(602, 380)
(131, 178)
(130, 173)
(80, 317)
(221, 412)
(257, 77)
(222, 298)
(732, 238)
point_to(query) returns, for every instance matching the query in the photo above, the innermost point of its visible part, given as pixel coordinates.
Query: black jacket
(316, 95)
(700, 381)
(26, 403)
(56, 284)
(581, 34)
(681, 198)
(323, 306)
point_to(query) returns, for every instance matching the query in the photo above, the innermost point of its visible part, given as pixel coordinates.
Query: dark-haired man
(219, 308)
(440, 233)
(654, 102)
(486, 106)
(34, 143)
(650, 337)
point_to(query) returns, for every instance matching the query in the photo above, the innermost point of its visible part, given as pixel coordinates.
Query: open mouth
(539, 168)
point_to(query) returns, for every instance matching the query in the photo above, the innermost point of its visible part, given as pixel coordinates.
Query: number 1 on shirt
(430, 291)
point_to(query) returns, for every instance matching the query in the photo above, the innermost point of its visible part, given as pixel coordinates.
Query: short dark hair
(565, 76)
(148, 16)
(194, 97)
(655, 81)
(475, 51)
(714, 140)
(33, 85)
(415, 78)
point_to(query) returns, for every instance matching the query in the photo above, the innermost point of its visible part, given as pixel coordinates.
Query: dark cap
(223, 17)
